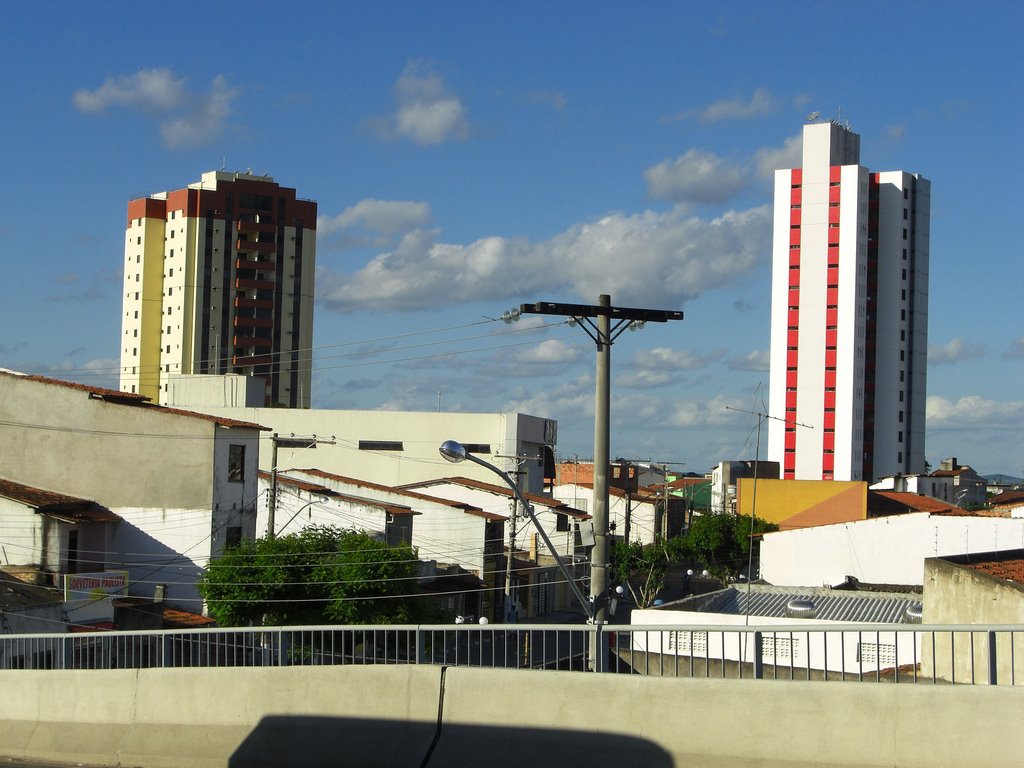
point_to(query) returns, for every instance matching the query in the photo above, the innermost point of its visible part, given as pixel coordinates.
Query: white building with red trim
(849, 314)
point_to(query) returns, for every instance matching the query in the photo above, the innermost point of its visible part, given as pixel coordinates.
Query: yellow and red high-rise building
(218, 278)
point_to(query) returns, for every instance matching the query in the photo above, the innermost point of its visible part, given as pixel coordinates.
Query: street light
(455, 452)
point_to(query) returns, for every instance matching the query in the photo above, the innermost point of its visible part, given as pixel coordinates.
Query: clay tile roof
(895, 502)
(557, 506)
(468, 509)
(323, 490)
(175, 619)
(1011, 570)
(59, 505)
(129, 398)
(1007, 497)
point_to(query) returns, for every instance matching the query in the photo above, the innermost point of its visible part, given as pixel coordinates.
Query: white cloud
(706, 413)
(787, 156)
(1016, 349)
(696, 177)
(761, 102)
(548, 351)
(186, 119)
(554, 99)
(157, 90)
(973, 412)
(425, 112)
(643, 379)
(671, 258)
(204, 119)
(665, 359)
(385, 217)
(569, 402)
(758, 360)
(954, 351)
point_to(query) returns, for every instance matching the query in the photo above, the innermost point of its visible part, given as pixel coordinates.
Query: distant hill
(998, 479)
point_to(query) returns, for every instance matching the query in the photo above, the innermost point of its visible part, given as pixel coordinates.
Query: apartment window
(476, 447)
(172, 234)
(168, 310)
(904, 233)
(899, 457)
(901, 417)
(168, 329)
(900, 437)
(901, 396)
(903, 314)
(903, 294)
(135, 351)
(168, 349)
(136, 295)
(233, 536)
(905, 191)
(236, 463)
(903, 335)
(138, 241)
(904, 254)
(561, 522)
(904, 275)
(381, 445)
(902, 375)
(904, 214)
(136, 314)
(902, 354)
(135, 333)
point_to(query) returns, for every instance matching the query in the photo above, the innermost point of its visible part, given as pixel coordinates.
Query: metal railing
(949, 654)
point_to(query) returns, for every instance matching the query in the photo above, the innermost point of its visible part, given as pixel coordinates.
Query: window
(904, 233)
(236, 463)
(234, 536)
(476, 447)
(381, 445)
(561, 522)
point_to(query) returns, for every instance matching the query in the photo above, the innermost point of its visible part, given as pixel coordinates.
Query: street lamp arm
(455, 452)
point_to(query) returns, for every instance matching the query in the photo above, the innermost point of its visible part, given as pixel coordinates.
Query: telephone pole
(285, 442)
(603, 323)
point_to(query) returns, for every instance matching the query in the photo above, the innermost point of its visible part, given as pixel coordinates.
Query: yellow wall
(803, 503)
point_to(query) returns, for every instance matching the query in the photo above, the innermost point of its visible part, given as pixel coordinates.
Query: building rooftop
(69, 508)
(560, 507)
(758, 600)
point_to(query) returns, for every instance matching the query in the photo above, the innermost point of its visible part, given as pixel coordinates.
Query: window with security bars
(689, 643)
(779, 647)
(876, 653)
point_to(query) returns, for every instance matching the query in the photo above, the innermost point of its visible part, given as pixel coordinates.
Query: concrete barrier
(389, 716)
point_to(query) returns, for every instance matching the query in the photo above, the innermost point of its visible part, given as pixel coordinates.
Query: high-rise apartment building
(218, 278)
(849, 328)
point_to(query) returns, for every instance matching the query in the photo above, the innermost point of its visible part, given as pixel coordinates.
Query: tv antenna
(762, 417)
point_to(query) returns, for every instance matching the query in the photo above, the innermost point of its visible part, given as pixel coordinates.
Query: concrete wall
(420, 433)
(395, 716)
(954, 594)
(886, 550)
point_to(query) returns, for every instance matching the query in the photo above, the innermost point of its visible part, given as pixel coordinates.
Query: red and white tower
(849, 330)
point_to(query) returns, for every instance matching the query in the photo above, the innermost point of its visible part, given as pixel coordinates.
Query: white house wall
(885, 550)
(705, 637)
(440, 532)
(420, 435)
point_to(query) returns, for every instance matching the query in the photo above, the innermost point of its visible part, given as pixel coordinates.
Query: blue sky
(468, 157)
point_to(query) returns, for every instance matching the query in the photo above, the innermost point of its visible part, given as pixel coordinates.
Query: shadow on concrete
(285, 741)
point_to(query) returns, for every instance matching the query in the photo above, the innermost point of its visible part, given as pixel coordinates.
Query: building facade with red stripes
(849, 328)
(218, 278)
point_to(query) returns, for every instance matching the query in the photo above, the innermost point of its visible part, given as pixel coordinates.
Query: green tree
(641, 569)
(722, 542)
(323, 574)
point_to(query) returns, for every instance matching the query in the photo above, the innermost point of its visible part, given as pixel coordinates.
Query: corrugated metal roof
(829, 605)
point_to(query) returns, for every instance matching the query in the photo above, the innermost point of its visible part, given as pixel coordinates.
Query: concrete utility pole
(287, 442)
(603, 332)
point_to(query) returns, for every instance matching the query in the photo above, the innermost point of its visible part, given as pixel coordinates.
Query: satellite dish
(813, 116)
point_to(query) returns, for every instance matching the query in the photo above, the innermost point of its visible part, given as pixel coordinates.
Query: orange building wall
(803, 503)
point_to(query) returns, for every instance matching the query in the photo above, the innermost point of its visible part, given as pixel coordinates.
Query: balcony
(246, 284)
(254, 303)
(246, 342)
(259, 266)
(253, 322)
(248, 227)
(255, 245)
(252, 359)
